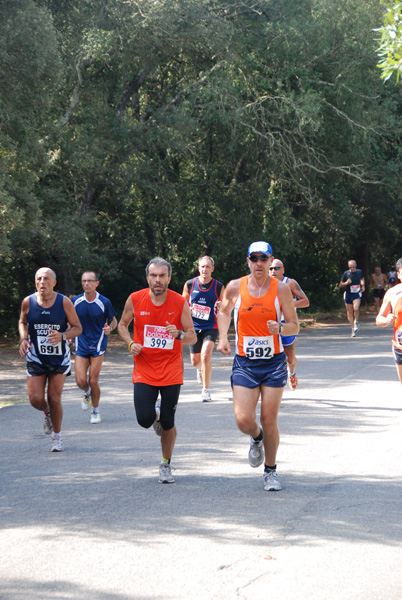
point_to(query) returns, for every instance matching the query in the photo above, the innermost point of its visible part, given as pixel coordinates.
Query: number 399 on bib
(157, 337)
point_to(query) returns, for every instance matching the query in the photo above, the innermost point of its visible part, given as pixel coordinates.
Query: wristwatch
(180, 335)
(280, 327)
(64, 337)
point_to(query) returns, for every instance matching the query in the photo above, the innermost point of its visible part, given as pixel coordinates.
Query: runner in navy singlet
(204, 296)
(47, 321)
(353, 282)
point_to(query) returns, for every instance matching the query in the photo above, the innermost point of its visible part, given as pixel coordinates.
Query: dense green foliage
(136, 128)
(390, 50)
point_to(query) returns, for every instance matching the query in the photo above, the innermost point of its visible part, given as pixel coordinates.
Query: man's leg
(54, 390)
(36, 392)
(270, 403)
(290, 352)
(206, 362)
(399, 371)
(244, 405)
(196, 360)
(291, 359)
(168, 439)
(81, 366)
(95, 365)
(356, 308)
(169, 399)
(349, 313)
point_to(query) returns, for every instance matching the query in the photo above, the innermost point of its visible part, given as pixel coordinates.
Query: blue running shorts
(254, 373)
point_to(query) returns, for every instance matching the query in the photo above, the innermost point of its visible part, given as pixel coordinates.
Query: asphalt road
(93, 523)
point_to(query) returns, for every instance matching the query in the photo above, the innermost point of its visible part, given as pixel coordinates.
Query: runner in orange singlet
(391, 313)
(162, 323)
(259, 366)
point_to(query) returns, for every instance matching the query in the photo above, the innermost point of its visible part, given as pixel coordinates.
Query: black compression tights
(145, 397)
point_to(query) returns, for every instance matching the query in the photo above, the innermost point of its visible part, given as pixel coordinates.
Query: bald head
(277, 269)
(45, 271)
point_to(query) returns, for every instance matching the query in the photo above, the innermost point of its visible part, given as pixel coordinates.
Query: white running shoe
(256, 453)
(95, 418)
(86, 402)
(165, 473)
(356, 326)
(199, 376)
(47, 425)
(206, 395)
(353, 333)
(157, 424)
(271, 482)
(57, 443)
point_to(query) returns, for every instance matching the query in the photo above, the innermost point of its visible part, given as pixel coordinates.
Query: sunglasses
(274, 268)
(255, 257)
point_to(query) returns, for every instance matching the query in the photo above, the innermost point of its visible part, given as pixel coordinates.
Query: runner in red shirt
(162, 323)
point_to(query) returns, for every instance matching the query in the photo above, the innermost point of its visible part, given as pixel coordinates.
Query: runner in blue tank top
(204, 296)
(47, 321)
(98, 319)
(353, 283)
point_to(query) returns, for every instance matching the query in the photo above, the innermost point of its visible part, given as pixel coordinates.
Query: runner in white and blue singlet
(98, 319)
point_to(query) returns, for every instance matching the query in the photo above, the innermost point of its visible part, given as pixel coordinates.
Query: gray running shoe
(157, 424)
(165, 473)
(47, 425)
(256, 453)
(57, 443)
(271, 482)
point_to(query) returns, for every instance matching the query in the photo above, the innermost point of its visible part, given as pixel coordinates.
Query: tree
(390, 50)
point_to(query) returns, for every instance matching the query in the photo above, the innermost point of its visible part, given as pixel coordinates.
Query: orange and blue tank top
(250, 320)
(160, 361)
(396, 303)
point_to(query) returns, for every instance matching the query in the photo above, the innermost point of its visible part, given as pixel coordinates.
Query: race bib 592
(258, 347)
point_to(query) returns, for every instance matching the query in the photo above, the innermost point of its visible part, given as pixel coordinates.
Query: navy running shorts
(35, 369)
(250, 373)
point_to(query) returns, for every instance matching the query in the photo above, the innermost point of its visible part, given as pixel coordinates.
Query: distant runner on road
(391, 314)
(378, 283)
(204, 294)
(353, 282)
(162, 323)
(47, 321)
(259, 366)
(300, 300)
